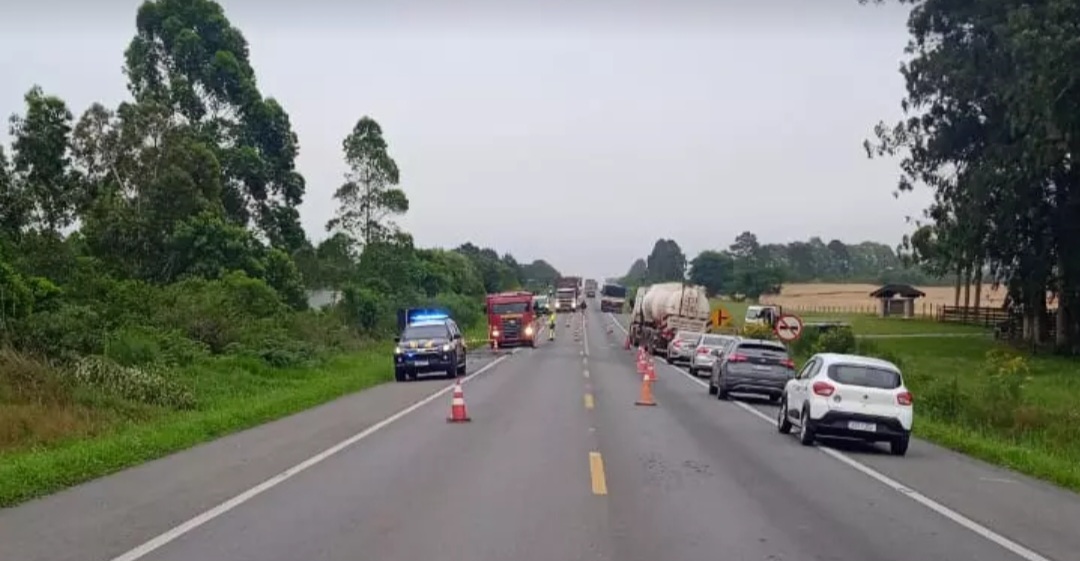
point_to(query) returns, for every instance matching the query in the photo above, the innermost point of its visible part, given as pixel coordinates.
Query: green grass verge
(233, 393)
(963, 403)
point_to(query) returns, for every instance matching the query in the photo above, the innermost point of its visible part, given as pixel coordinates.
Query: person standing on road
(551, 325)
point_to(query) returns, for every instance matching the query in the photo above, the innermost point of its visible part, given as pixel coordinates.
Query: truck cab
(511, 319)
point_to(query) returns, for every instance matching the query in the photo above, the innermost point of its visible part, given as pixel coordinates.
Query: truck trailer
(590, 288)
(612, 298)
(662, 310)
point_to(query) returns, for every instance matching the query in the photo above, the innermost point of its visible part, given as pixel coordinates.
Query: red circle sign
(788, 328)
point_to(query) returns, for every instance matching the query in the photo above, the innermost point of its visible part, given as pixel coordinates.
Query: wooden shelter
(897, 300)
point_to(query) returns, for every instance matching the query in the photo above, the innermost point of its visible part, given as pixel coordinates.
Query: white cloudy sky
(578, 135)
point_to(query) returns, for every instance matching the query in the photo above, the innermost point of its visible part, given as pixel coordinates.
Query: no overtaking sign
(788, 328)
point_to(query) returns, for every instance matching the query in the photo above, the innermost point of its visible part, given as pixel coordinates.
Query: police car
(430, 342)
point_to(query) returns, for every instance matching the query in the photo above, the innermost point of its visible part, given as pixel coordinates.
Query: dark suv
(752, 366)
(429, 346)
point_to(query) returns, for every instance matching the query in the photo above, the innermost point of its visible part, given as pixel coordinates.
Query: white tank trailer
(661, 310)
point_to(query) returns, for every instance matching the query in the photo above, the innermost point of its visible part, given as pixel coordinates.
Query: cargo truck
(511, 319)
(662, 310)
(612, 298)
(567, 294)
(590, 288)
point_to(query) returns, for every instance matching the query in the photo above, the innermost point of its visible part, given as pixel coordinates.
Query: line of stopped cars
(832, 395)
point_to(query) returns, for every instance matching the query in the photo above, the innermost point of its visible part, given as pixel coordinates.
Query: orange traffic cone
(646, 391)
(626, 345)
(458, 413)
(495, 345)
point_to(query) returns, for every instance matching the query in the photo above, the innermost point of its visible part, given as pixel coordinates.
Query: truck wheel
(399, 375)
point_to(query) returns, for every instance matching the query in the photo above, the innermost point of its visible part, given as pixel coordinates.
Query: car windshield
(754, 312)
(865, 376)
(761, 349)
(714, 341)
(614, 291)
(501, 308)
(425, 332)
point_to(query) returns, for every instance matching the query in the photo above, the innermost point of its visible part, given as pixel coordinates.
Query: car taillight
(677, 344)
(703, 350)
(823, 389)
(904, 398)
(788, 363)
(737, 358)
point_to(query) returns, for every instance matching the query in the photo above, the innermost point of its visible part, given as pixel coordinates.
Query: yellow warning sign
(720, 317)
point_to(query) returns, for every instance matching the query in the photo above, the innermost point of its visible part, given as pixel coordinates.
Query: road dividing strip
(200, 519)
(596, 470)
(588, 401)
(931, 504)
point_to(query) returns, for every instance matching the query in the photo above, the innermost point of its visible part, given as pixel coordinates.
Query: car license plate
(760, 367)
(868, 427)
(420, 363)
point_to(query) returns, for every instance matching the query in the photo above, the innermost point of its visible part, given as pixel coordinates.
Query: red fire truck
(511, 318)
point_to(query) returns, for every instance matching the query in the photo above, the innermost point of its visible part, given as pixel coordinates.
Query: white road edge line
(983, 531)
(206, 516)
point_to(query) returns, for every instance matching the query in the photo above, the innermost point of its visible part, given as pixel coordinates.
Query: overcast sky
(577, 135)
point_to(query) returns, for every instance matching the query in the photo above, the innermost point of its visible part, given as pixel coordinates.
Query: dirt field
(857, 296)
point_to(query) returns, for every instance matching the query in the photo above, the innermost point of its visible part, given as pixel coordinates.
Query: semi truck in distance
(662, 310)
(567, 294)
(590, 288)
(612, 298)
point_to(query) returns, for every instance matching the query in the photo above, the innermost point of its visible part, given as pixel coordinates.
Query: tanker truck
(661, 310)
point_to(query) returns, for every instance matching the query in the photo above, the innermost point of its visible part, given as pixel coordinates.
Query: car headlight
(573, 306)
(397, 350)
(494, 332)
(528, 330)
(446, 348)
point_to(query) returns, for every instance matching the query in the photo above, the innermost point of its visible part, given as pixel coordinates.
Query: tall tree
(188, 57)
(42, 162)
(666, 262)
(368, 200)
(714, 270)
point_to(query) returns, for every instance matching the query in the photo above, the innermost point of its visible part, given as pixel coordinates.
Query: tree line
(749, 268)
(991, 127)
(167, 229)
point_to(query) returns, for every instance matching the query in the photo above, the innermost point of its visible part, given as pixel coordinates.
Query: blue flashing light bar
(416, 315)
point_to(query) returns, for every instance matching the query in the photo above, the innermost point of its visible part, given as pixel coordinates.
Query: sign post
(788, 328)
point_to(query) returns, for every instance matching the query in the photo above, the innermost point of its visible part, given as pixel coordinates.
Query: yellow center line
(596, 468)
(588, 401)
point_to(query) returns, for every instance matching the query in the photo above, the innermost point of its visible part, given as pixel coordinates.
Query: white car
(848, 396)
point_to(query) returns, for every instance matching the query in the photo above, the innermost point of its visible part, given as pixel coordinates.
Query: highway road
(557, 464)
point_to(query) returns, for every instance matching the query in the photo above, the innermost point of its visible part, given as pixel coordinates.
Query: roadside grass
(65, 436)
(864, 324)
(1016, 412)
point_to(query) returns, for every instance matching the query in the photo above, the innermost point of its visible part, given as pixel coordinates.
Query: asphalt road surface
(557, 464)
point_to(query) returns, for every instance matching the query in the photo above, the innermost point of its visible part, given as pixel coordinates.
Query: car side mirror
(457, 336)
(485, 308)
(397, 339)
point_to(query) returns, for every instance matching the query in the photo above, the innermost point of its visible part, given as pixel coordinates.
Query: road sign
(788, 328)
(720, 317)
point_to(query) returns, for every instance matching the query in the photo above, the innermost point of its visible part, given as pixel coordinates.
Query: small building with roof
(897, 300)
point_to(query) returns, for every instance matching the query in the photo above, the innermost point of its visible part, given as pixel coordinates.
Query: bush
(758, 331)
(143, 384)
(836, 340)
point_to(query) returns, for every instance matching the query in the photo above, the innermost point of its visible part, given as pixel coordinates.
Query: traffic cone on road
(495, 345)
(626, 345)
(646, 390)
(458, 413)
